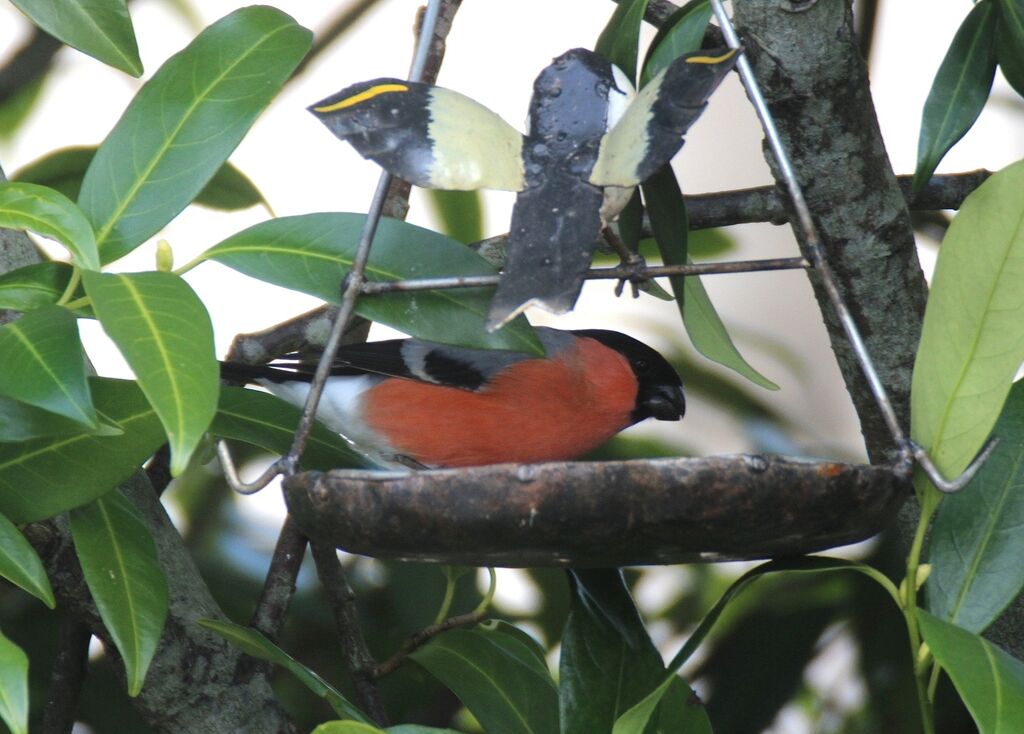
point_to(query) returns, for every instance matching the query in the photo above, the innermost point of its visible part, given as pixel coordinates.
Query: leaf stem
(76, 278)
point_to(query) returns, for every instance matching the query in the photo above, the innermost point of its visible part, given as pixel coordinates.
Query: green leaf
(16, 108)
(678, 702)
(356, 727)
(960, 89)
(707, 332)
(254, 643)
(46, 476)
(44, 365)
(50, 214)
(640, 712)
(269, 422)
(230, 190)
(990, 682)
(608, 663)
(100, 28)
(1010, 42)
(164, 333)
(978, 538)
(528, 649)
(125, 579)
(20, 564)
(461, 213)
(64, 169)
(346, 727)
(313, 252)
(682, 33)
(13, 686)
(620, 37)
(23, 422)
(184, 122)
(972, 340)
(494, 676)
(34, 286)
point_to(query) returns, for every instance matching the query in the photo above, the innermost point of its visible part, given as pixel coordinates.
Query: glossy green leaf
(34, 286)
(1010, 42)
(682, 33)
(972, 340)
(494, 675)
(100, 28)
(528, 650)
(681, 711)
(356, 727)
(20, 564)
(23, 422)
(461, 213)
(608, 663)
(164, 333)
(619, 39)
(125, 579)
(960, 89)
(347, 727)
(50, 214)
(230, 190)
(44, 364)
(46, 476)
(313, 252)
(184, 122)
(990, 681)
(13, 686)
(978, 539)
(641, 712)
(256, 644)
(707, 332)
(64, 169)
(269, 422)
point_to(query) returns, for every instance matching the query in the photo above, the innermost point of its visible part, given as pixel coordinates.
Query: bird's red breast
(533, 411)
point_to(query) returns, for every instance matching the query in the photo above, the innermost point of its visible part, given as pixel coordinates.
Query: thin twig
(420, 638)
(358, 660)
(66, 677)
(279, 586)
(336, 28)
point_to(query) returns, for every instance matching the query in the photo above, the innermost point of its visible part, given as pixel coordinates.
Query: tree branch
(358, 660)
(422, 637)
(197, 681)
(66, 678)
(816, 86)
(279, 586)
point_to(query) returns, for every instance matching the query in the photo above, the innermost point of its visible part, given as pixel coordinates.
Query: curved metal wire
(816, 254)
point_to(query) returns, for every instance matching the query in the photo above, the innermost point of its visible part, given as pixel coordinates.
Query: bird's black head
(660, 391)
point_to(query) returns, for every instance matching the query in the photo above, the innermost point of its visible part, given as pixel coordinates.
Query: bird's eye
(641, 364)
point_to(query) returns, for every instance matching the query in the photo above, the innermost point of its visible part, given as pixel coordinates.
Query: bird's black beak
(665, 402)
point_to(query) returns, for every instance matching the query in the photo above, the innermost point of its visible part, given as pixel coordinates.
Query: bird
(591, 140)
(419, 404)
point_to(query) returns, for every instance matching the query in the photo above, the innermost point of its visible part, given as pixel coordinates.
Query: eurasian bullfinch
(412, 402)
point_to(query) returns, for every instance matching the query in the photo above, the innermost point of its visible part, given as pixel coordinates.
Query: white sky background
(494, 52)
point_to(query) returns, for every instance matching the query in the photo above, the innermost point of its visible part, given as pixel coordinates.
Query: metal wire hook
(815, 253)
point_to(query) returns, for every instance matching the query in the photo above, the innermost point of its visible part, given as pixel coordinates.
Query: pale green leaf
(125, 579)
(164, 332)
(972, 340)
(13, 686)
(100, 28)
(43, 364)
(51, 214)
(185, 122)
(20, 564)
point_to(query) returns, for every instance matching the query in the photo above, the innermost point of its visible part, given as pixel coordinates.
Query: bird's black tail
(241, 373)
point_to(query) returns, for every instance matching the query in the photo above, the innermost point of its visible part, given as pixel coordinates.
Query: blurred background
(797, 655)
